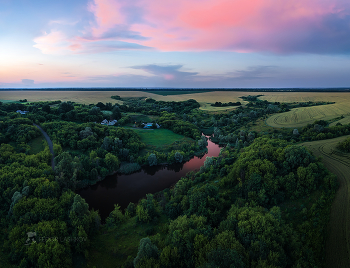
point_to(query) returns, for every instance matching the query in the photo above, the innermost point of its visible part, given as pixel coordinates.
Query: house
(112, 123)
(149, 125)
(21, 112)
(109, 123)
(104, 122)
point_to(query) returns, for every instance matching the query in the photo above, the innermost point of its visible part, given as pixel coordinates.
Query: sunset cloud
(290, 26)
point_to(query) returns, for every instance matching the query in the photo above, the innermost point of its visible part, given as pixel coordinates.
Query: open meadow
(158, 137)
(338, 241)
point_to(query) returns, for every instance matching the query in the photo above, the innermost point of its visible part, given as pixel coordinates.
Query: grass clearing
(159, 137)
(208, 108)
(112, 246)
(338, 240)
(37, 145)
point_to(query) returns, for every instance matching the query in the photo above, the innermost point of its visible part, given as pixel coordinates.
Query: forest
(263, 202)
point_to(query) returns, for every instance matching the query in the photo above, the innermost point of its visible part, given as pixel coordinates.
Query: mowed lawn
(158, 137)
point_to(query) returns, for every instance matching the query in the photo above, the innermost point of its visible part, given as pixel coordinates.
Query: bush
(115, 217)
(129, 168)
(152, 160)
(146, 250)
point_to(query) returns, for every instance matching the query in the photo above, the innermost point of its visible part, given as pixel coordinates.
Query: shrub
(129, 168)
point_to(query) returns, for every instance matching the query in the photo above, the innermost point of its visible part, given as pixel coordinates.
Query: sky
(174, 43)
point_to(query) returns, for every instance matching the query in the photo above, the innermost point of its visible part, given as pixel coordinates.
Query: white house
(21, 112)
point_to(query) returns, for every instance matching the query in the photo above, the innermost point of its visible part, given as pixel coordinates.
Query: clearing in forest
(159, 137)
(338, 238)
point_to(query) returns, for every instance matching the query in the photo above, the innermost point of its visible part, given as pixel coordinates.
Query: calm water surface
(123, 189)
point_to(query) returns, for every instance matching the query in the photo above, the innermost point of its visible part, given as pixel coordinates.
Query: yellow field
(305, 96)
(302, 116)
(338, 239)
(344, 121)
(88, 97)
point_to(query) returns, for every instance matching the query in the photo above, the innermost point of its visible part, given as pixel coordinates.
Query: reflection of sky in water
(123, 189)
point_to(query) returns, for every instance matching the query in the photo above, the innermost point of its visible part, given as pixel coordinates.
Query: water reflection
(123, 189)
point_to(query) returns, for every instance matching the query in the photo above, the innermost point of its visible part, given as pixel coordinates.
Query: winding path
(338, 238)
(49, 142)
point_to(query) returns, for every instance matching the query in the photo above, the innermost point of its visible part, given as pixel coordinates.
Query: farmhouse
(21, 112)
(109, 123)
(149, 125)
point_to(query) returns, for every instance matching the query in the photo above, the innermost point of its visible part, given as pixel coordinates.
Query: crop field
(344, 121)
(338, 240)
(305, 96)
(87, 97)
(302, 116)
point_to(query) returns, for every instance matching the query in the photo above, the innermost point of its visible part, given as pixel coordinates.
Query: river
(123, 189)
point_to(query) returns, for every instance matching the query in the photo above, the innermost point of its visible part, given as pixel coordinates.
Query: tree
(115, 217)
(146, 250)
(112, 162)
(152, 160)
(178, 157)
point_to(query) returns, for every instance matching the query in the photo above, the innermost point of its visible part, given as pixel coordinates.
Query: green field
(37, 145)
(158, 137)
(9, 101)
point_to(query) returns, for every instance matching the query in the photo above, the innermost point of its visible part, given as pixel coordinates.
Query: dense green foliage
(230, 213)
(245, 208)
(344, 146)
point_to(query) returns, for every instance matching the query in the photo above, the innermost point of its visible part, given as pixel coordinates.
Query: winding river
(123, 189)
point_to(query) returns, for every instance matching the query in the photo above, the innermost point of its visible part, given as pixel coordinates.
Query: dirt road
(338, 238)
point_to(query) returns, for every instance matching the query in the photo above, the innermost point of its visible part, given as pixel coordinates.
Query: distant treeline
(219, 104)
(343, 89)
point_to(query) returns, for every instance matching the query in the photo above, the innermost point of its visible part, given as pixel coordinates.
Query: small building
(21, 112)
(109, 123)
(149, 125)
(112, 123)
(104, 122)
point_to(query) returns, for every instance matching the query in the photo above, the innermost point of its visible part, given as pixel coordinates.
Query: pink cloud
(286, 26)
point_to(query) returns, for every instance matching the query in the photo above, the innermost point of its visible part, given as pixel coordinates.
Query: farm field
(338, 240)
(88, 97)
(299, 117)
(305, 96)
(158, 137)
(344, 121)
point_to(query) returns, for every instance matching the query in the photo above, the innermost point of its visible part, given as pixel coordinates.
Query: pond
(123, 189)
